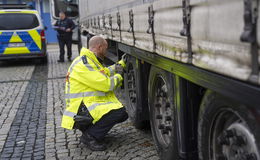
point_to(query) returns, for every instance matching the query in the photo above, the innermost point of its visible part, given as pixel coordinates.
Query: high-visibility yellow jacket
(88, 81)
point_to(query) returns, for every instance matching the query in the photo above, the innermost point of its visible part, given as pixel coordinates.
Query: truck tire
(134, 95)
(227, 130)
(162, 113)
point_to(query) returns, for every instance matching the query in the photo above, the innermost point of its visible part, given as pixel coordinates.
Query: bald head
(95, 41)
(98, 45)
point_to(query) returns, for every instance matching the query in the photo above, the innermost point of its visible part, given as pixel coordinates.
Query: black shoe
(60, 60)
(92, 143)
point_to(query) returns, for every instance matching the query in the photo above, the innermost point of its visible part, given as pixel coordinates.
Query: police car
(21, 33)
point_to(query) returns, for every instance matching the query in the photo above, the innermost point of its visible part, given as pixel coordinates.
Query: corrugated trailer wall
(127, 35)
(216, 27)
(167, 26)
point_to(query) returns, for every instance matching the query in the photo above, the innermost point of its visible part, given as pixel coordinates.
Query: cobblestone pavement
(18, 71)
(31, 107)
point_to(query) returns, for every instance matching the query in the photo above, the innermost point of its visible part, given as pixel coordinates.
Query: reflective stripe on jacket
(88, 81)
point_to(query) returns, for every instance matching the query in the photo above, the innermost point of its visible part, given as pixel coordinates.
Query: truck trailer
(192, 72)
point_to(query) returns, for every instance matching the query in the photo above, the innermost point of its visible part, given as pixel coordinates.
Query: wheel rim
(131, 87)
(163, 112)
(231, 139)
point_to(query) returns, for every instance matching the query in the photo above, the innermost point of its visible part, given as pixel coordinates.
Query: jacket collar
(89, 54)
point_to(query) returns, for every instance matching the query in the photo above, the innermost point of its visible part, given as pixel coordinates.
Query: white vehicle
(193, 71)
(70, 8)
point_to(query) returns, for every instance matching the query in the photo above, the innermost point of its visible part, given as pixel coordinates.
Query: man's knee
(123, 114)
(115, 116)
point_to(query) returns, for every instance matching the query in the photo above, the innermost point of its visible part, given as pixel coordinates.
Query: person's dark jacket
(62, 25)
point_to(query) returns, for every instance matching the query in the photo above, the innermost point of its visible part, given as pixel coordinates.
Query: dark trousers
(65, 40)
(103, 126)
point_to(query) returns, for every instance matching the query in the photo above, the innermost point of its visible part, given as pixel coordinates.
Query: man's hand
(119, 69)
(125, 57)
(123, 61)
(68, 30)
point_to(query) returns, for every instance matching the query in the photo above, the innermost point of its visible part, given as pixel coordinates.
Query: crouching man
(91, 105)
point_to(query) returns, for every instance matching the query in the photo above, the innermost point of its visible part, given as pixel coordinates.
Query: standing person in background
(64, 27)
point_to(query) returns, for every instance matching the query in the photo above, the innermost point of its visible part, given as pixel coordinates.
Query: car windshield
(18, 21)
(70, 7)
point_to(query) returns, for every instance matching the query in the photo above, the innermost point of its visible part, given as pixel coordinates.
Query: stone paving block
(5, 156)
(9, 144)
(27, 157)
(102, 157)
(137, 158)
(62, 151)
(50, 155)
(73, 146)
(79, 158)
(113, 158)
(73, 142)
(111, 154)
(38, 157)
(51, 158)
(75, 151)
(8, 150)
(92, 157)
(60, 144)
(62, 155)
(66, 158)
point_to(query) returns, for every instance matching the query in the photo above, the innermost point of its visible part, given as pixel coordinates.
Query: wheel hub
(237, 142)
